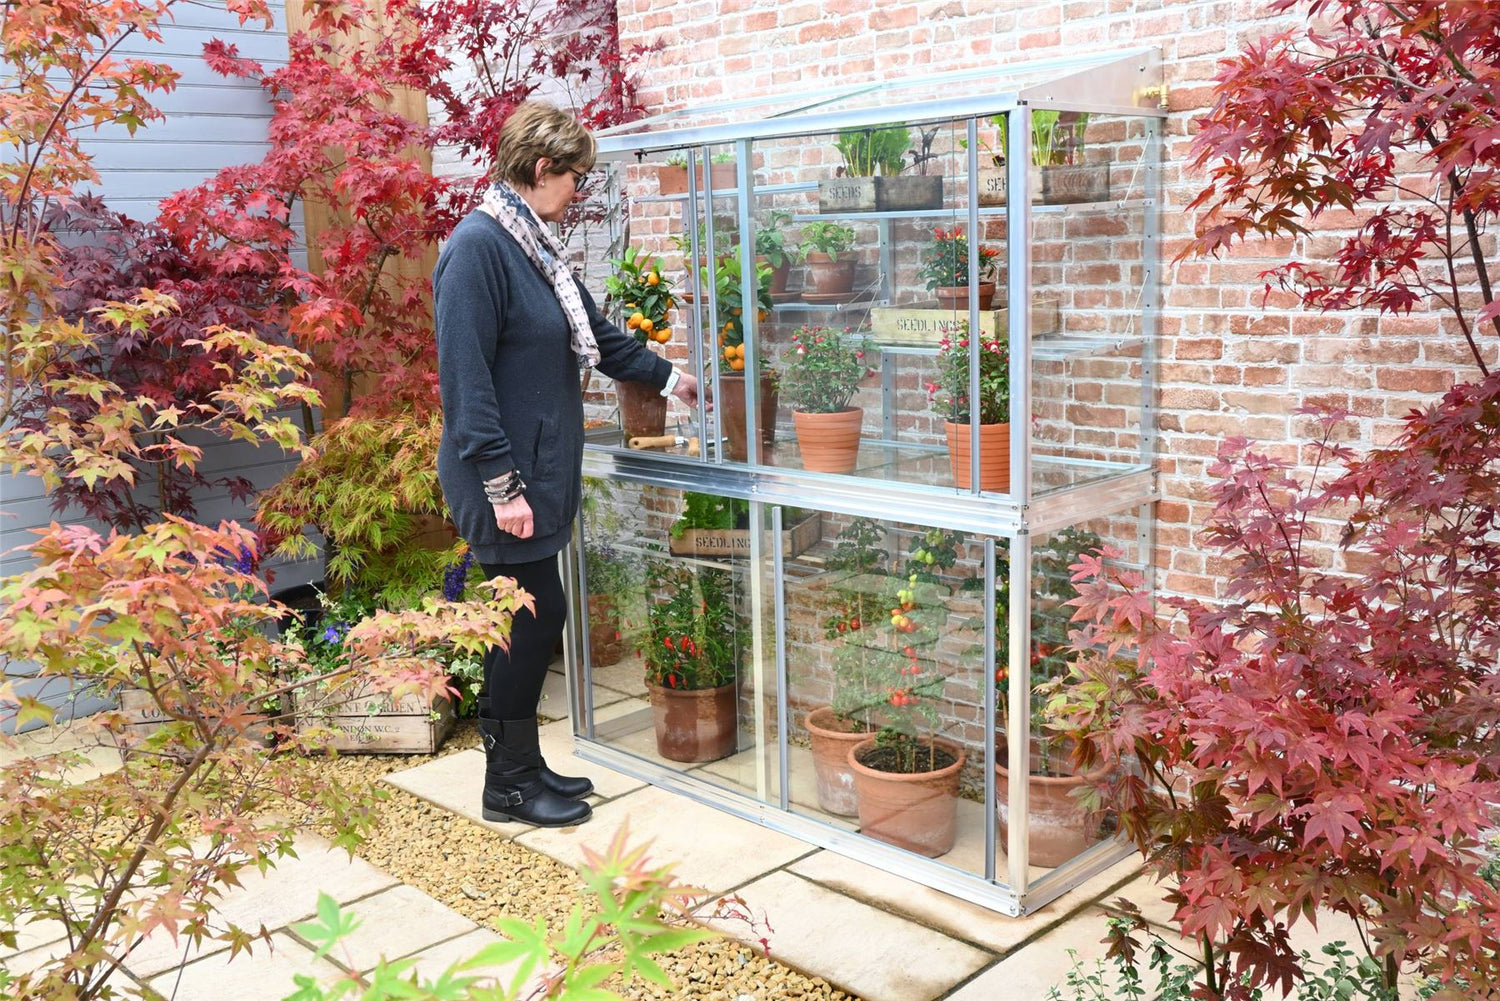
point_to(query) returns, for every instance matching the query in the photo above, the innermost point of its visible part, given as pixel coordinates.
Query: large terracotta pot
(643, 410)
(957, 296)
(605, 647)
(918, 812)
(830, 277)
(732, 411)
(829, 442)
(831, 740)
(994, 455)
(779, 275)
(694, 725)
(673, 180)
(1058, 829)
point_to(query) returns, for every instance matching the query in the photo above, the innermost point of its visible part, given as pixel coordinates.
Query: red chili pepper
(667, 642)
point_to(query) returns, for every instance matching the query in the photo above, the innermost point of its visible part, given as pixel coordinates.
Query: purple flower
(455, 577)
(331, 634)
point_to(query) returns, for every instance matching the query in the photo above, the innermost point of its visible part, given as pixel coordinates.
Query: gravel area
(484, 876)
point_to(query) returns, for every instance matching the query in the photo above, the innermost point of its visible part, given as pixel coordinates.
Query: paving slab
(627, 677)
(712, 849)
(34, 934)
(554, 704)
(557, 748)
(264, 974)
(453, 782)
(99, 755)
(432, 961)
(959, 918)
(862, 949)
(284, 894)
(395, 923)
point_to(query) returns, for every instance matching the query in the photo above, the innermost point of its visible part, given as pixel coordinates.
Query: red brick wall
(1230, 366)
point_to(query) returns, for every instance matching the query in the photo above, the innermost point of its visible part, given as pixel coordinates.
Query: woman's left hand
(686, 389)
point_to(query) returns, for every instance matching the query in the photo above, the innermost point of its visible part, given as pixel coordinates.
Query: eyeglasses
(580, 180)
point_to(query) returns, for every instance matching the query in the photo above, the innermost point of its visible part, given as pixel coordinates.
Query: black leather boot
(571, 786)
(513, 786)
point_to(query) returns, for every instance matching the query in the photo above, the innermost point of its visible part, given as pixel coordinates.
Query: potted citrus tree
(728, 295)
(691, 651)
(950, 395)
(1059, 826)
(645, 296)
(823, 370)
(826, 249)
(945, 269)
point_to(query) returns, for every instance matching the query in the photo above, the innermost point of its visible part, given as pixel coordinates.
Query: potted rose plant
(645, 296)
(691, 650)
(950, 394)
(826, 250)
(1058, 826)
(731, 320)
(823, 370)
(945, 269)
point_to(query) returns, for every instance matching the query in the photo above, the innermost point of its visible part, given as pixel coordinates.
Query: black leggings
(513, 678)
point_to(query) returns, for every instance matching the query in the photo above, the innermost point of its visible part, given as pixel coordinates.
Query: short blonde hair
(537, 129)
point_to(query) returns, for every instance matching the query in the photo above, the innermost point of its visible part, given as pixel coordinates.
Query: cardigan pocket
(544, 491)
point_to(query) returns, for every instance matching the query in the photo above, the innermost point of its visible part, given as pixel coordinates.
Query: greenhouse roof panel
(1115, 81)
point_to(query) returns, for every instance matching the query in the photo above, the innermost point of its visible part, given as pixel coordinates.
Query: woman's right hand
(514, 516)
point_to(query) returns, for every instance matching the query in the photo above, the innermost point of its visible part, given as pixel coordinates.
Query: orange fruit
(729, 354)
(663, 335)
(739, 351)
(653, 279)
(738, 364)
(647, 325)
(636, 320)
(737, 311)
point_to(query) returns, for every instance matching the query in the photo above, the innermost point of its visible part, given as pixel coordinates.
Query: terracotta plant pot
(830, 277)
(604, 631)
(957, 296)
(643, 410)
(994, 455)
(694, 725)
(831, 740)
(778, 275)
(673, 180)
(732, 412)
(918, 812)
(829, 442)
(1058, 829)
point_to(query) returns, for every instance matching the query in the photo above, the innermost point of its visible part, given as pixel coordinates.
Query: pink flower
(859, 354)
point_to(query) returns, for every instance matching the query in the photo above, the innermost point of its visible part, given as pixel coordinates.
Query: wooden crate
(1064, 184)
(364, 722)
(143, 717)
(928, 323)
(901, 193)
(735, 542)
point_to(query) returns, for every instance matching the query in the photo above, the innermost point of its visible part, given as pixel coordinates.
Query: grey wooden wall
(211, 123)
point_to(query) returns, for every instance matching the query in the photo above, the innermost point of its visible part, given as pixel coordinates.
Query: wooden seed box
(928, 323)
(735, 542)
(1063, 184)
(901, 193)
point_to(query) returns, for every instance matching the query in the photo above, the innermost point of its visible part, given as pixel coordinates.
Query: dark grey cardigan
(510, 388)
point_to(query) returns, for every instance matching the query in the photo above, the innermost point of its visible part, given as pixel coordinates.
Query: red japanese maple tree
(1324, 740)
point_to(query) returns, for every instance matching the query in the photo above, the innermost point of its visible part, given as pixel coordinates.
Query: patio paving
(865, 930)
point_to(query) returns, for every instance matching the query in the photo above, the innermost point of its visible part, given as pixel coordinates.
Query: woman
(514, 327)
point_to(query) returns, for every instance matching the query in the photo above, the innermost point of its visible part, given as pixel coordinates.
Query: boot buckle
(514, 798)
(488, 739)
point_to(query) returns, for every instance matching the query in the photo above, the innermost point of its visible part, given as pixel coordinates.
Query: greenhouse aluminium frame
(1127, 84)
